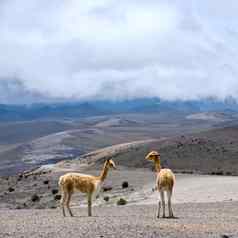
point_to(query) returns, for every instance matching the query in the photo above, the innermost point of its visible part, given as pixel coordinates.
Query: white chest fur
(97, 189)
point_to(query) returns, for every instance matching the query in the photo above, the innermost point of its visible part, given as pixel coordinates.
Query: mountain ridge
(97, 108)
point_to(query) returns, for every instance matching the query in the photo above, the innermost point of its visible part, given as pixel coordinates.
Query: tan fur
(164, 182)
(71, 182)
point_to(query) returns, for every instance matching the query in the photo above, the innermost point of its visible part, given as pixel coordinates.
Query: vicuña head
(164, 182)
(89, 184)
(155, 157)
(110, 164)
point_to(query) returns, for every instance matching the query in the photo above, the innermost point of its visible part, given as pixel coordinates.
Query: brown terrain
(203, 155)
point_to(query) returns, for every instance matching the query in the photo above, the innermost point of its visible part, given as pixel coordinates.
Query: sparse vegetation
(35, 198)
(11, 189)
(107, 198)
(125, 184)
(121, 202)
(54, 191)
(57, 197)
(106, 188)
(46, 182)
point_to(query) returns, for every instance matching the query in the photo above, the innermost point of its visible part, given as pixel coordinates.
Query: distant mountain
(95, 108)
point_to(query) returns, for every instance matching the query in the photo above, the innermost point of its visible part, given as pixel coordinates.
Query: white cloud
(110, 49)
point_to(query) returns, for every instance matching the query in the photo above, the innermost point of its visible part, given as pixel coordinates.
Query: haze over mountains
(95, 108)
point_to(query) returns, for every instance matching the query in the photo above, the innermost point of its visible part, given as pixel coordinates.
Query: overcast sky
(110, 49)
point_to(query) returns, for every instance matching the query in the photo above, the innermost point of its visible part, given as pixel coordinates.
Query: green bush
(121, 201)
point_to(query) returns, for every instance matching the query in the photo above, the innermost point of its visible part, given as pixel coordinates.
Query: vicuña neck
(157, 165)
(104, 173)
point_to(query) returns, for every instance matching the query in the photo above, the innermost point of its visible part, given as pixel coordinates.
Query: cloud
(108, 49)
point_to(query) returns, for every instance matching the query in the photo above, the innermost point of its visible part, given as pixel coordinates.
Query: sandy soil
(200, 189)
(206, 206)
(194, 220)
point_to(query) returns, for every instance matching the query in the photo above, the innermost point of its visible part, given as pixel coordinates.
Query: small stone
(10, 189)
(57, 197)
(35, 198)
(54, 191)
(106, 198)
(225, 236)
(107, 188)
(125, 184)
(46, 182)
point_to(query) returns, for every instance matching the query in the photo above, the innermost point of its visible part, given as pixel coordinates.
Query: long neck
(157, 165)
(104, 173)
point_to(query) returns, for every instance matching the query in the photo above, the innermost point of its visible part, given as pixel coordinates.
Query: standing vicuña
(164, 182)
(84, 183)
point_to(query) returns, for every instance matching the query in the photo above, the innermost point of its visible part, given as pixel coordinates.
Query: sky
(115, 50)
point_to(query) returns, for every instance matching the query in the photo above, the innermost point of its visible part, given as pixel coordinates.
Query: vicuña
(164, 183)
(71, 182)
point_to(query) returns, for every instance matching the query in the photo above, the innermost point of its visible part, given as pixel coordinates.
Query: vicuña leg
(163, 202)
(62, 202)
(89, 204)
(68, 202)
(159, 207)
(169, 195)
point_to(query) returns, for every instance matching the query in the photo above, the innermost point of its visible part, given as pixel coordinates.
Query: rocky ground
(205, 206)
(194, 220)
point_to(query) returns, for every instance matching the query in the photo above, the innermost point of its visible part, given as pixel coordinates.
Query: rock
(225, 236)
(57, 197)
(54, 191)
(20, 176)
(106, 198)
(46, 182)
(125, 184)
(35, 198)
(107, 188)
(121, 201)
(10, 189)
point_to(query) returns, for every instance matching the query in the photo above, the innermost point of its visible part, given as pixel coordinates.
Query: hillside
(26, 145)
(211, 152)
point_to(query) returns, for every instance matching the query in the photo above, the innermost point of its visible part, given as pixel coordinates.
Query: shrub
(35, 198)
(121, 201)
(54, 191)
(46, 182)
(106, 198)
(125, 184)
(10, 189)
(107, 188)
(57, 197)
